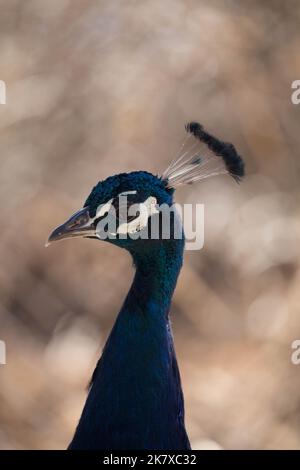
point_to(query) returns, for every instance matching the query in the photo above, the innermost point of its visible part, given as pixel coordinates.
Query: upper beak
(78, 225)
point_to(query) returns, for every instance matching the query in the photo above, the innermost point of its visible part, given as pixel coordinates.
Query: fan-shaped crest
(202, 156)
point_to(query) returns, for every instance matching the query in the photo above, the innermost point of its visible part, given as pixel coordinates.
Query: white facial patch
(145, 209)
(111, 225)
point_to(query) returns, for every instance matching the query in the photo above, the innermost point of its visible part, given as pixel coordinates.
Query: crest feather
(202, 156)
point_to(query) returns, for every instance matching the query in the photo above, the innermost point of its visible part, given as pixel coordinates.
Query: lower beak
(78, 225)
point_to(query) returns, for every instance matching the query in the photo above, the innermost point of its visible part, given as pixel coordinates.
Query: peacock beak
(78, 225)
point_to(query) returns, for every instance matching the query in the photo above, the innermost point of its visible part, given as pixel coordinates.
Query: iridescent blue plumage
(135, 399)
(141, 181)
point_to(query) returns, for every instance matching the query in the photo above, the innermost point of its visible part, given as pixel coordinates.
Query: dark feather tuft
(227, 151)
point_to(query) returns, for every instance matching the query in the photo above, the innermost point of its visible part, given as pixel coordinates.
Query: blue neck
(136, 401)
(156, 276)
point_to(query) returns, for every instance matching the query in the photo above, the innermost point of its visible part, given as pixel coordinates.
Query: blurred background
(97, 88)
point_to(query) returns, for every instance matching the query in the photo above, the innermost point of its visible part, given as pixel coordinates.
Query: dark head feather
(227, 151)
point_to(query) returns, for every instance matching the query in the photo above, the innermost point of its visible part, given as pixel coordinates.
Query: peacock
(135, 399)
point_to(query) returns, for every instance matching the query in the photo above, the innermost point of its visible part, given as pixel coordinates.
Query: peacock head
(127, 209)
(121, 209)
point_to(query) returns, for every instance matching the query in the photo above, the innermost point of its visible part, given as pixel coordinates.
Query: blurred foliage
(99, 87)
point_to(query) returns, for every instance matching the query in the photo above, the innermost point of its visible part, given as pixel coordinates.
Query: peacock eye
(97, 220)
(122, 205)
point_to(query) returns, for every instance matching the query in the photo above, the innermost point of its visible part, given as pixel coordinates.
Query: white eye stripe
(144, 210)
(125, 193)
(103, 208)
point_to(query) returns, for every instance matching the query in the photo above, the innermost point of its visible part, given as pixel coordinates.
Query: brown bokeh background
(97, 88)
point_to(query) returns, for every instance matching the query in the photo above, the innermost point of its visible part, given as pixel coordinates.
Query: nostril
(77, 222)
(72, 225)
